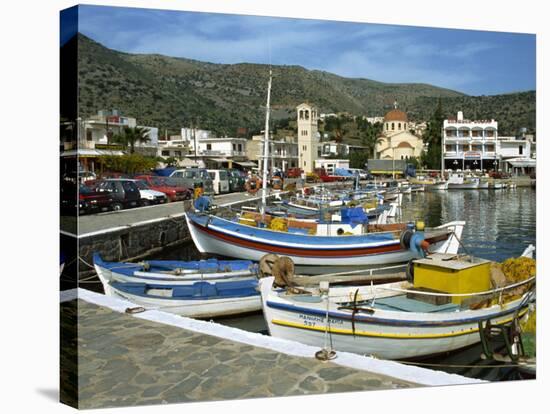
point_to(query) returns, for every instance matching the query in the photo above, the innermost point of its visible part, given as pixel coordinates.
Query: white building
(94, 138)
(333, 148)
(396, 141)
(330, 166)
(470, 144)
(476, 145)
(283, 152)
(514, 154)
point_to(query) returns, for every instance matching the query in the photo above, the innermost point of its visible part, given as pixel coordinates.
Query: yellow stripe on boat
(387, 335)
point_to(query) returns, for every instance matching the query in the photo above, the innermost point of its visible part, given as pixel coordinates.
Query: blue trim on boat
(196, 291)
(305, 241)
(379, 321)
(155, 266)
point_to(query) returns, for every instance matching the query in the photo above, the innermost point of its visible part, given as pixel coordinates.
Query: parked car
(236, 180)
(148, 195)
(220, 181)
(294, 172)
(84, 176)
(125, 192)
(173, 192)
(192, 178)
(90, 201)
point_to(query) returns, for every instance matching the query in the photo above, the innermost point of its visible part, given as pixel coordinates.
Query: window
(234, 147)
(306, 113)
(520, 150)
(301, 114)
(392, 126)
(240, 147)
(89, 135)
(399, 126)
(165, 153)
(208, 147)
(177, 153)
(490, 148)
(449, 148)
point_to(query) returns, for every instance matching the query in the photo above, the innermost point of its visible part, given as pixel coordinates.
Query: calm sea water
(499, 224)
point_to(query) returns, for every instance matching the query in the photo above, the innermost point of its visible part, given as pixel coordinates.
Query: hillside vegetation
(169, 92)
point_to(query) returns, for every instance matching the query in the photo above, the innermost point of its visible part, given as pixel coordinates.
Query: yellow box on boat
(449, 274)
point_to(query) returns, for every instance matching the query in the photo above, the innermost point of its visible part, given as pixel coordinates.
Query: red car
(173, 192)
(321, 172)
(294, 172)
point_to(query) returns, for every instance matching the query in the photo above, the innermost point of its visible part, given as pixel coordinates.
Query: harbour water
(499, 224)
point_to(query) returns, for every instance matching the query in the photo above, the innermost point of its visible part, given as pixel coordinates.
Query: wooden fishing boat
(438, 186)
(172, 272)
(447, 306)
(457, 181)
(200, 299)
(351, 242)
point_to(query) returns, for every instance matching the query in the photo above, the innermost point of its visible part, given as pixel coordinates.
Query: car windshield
(157, 181)
(142, 185)
(191, 174)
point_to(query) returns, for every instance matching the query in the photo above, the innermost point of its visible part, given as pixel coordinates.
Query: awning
(186, 162)
(245, 163)
(219, 159)
(89, 153)
(522, 162)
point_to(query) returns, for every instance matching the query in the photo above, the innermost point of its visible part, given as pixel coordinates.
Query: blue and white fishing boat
(350, 242)
(200, 299)
(199, 289)
(394, 320)
(173, 272)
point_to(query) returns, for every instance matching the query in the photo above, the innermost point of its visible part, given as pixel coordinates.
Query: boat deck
(153, 358)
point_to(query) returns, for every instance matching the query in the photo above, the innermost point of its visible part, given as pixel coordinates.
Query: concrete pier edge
(409, 373)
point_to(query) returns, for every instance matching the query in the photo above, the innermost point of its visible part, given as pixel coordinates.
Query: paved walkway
(126, 361)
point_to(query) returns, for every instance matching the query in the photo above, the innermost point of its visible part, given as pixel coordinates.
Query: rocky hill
(172, 92)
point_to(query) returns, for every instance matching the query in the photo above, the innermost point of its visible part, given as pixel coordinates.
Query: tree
(131, 136)
(370, 137)
(432, 137)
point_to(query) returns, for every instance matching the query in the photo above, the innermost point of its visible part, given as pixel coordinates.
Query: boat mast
(266, 146)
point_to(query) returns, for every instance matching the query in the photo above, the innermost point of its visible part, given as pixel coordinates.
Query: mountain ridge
(171, 92)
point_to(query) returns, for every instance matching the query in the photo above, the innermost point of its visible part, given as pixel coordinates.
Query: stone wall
(134, 242)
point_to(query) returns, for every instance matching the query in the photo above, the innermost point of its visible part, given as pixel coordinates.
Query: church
(396, 141)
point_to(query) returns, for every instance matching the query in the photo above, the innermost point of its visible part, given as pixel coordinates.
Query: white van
(220, 180)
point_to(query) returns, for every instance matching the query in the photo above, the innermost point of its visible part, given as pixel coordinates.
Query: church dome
(395, 115)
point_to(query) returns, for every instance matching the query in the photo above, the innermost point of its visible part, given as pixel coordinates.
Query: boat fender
(418, 245)
(405, 238)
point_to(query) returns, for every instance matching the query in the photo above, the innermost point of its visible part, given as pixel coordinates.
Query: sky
(472, 62)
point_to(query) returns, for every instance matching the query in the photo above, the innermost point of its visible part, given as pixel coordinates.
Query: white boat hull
(208, 242)
(208, 308)
(387, 334)
(438, 186)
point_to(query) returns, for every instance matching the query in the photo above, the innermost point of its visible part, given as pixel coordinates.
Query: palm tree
(131, 136)
(370, 138)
